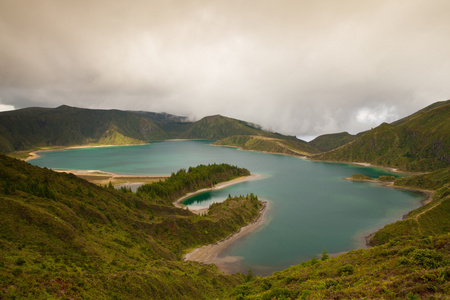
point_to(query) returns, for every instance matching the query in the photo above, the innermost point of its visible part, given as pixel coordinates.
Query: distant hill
(30, 128)
(268, 144)
(419, 142)
(332, 141)
(65, 126)
(218, 127)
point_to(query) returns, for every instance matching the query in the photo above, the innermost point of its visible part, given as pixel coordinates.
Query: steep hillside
(420, 142)
(63, 237)
(329, 142)
(268, 144)
(66, 126)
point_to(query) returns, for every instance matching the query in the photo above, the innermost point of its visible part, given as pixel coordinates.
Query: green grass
(329, 142)
(265, 144)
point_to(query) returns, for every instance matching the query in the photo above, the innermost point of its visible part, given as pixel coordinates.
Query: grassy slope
(218, 127)
(61, 236)
(267, 144)
(410, 260)
(329, 142)
(430, 219)
(418, 143)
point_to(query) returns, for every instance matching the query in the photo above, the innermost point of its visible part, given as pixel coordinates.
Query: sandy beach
(210, 254)
(219, 186)
(102, 177)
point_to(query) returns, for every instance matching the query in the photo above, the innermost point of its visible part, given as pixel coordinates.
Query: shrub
(347, 269)
(427, 258)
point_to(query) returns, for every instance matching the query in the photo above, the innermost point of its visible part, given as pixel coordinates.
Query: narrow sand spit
(218, 186)
(102, 177)
(209, 254)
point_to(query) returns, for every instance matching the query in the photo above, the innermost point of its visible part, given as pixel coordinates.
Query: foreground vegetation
(63, 237)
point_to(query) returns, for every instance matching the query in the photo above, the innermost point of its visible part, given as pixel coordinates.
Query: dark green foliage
(347, 269)
(360, 177)
(325, 255)
(195, 178)
(90, 242)
(387, 178)
(420, 142)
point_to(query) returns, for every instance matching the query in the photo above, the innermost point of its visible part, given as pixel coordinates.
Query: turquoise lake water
(311, 206)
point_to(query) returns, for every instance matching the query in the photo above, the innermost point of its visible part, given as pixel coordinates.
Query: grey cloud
(296, 67)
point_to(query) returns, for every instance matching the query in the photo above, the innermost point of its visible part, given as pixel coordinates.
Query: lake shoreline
(209, 254)
(365, 237)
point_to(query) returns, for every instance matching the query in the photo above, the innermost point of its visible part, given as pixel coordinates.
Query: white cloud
(296, 67)
(377, 115)
(5, 107)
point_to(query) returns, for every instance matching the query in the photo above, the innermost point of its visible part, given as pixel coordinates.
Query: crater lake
(311, 207)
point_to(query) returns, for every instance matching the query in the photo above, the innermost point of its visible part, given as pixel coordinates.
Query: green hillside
(420, 142)
(63, 237)
(410, 260)
(329, 142)
(218, 127)
(268, 144)
(66, 126)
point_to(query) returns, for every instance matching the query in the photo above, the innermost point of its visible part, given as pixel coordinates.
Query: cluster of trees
(195, 178)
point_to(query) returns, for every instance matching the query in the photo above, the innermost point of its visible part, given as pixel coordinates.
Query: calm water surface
(311, 207)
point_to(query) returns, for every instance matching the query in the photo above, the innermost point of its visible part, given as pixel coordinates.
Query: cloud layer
(297, 67)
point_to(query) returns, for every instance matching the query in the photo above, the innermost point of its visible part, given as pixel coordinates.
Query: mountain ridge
(417, 143)
(31, 128)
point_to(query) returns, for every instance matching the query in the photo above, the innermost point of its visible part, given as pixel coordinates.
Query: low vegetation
(414, 269)
(63, 237)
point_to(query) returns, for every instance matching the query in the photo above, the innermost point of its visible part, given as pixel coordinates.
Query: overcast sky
(297, 67)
